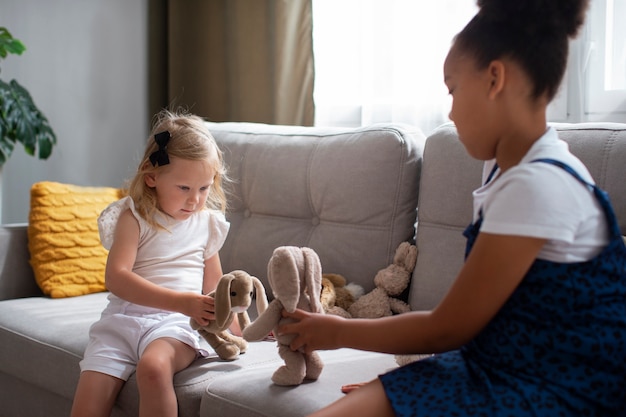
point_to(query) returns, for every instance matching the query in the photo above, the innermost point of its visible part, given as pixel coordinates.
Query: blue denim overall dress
(556, 348)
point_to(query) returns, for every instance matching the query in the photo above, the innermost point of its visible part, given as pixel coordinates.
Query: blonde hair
(190, 139)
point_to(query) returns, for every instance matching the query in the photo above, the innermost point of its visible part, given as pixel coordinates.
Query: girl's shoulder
(209, 216)
(542, 200)
(533, 175)
(108, 218)
(541, 186)
(216, 216)
(218, 228)
(218, 225)
(551, 147)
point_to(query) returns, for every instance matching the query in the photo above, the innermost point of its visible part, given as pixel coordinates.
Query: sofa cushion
(349, 194)
(66, 254)
(258, 396)
(43, 340)
(445, 208)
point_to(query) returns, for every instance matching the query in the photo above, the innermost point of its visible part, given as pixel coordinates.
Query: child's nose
(194, 198)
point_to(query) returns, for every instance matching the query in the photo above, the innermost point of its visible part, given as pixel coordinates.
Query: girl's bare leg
(155, 376)
(368, 400)
(95, 394)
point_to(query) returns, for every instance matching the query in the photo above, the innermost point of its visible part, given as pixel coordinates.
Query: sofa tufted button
(247, 213)
(315, 221)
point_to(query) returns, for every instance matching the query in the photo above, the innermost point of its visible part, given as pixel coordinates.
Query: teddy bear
(337, 296)
(295, 277)
(233, 296)
(390, 282)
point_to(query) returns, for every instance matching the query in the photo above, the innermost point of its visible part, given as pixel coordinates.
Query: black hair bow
(159, 157)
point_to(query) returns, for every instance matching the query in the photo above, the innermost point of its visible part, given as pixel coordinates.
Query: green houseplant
(20, 119)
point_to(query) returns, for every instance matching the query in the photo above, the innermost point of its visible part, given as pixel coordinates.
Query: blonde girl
(163, 241)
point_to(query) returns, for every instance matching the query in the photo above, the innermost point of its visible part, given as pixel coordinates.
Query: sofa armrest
(16, 275)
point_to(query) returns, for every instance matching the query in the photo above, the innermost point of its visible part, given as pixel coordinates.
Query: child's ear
(496, 74)
(150, 179)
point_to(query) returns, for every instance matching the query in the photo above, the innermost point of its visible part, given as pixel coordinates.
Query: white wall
(86, 69)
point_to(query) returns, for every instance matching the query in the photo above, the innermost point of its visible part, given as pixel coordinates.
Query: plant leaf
(9, 45)
(6, 143)
(23, 122)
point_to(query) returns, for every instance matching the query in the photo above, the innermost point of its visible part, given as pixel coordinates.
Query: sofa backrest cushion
(449, 176)
(349, 194)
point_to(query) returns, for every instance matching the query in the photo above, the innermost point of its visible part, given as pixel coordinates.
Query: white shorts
(117, 340)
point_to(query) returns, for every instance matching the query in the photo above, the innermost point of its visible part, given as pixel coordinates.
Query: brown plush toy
(402, 360)
(295, 275)
(390, 282)
(233, 296)
(337, 296)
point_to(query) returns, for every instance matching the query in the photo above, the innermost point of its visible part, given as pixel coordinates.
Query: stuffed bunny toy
(390, 282)
(233, 295)
(295, 275)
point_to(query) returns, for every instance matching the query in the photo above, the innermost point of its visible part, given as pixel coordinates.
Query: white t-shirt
(172, 258)
(544, 201)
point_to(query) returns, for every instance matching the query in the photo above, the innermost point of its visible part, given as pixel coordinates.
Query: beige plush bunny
(233, 295)
(295, 275)
(390, 283)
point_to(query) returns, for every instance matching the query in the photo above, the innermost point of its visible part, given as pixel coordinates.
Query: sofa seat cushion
(43, 339)
(191, 382)
(251, 392)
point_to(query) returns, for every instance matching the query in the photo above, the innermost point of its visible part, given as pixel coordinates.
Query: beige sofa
(350, 194)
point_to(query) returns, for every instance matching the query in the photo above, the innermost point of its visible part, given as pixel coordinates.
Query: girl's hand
(312, 331)
(199, 307)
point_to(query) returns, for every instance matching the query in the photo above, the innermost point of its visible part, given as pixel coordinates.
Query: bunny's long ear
(411, 258)
(261, 297)
(284, 277)
(406, 256)
(222, 300)
(313, 278)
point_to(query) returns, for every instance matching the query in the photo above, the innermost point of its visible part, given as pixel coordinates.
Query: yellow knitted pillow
(65, 250)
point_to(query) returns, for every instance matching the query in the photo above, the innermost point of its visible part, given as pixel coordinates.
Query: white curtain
(382, 60)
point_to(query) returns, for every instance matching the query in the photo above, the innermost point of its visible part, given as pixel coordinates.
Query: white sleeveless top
(172, 258)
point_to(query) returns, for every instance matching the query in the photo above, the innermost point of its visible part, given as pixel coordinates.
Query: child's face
(469, 88)
(182, 186)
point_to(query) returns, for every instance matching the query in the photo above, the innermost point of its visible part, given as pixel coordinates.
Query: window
(382, 61)
(605, 48)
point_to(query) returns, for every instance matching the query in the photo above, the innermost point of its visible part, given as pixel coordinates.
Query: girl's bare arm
(495, 267)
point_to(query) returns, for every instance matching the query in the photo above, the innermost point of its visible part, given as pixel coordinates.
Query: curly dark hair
(534, 33)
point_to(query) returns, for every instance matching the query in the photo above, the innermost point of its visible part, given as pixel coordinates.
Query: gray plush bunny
(295, 276)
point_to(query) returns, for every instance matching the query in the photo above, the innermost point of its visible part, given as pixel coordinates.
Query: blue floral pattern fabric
(556, 348)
